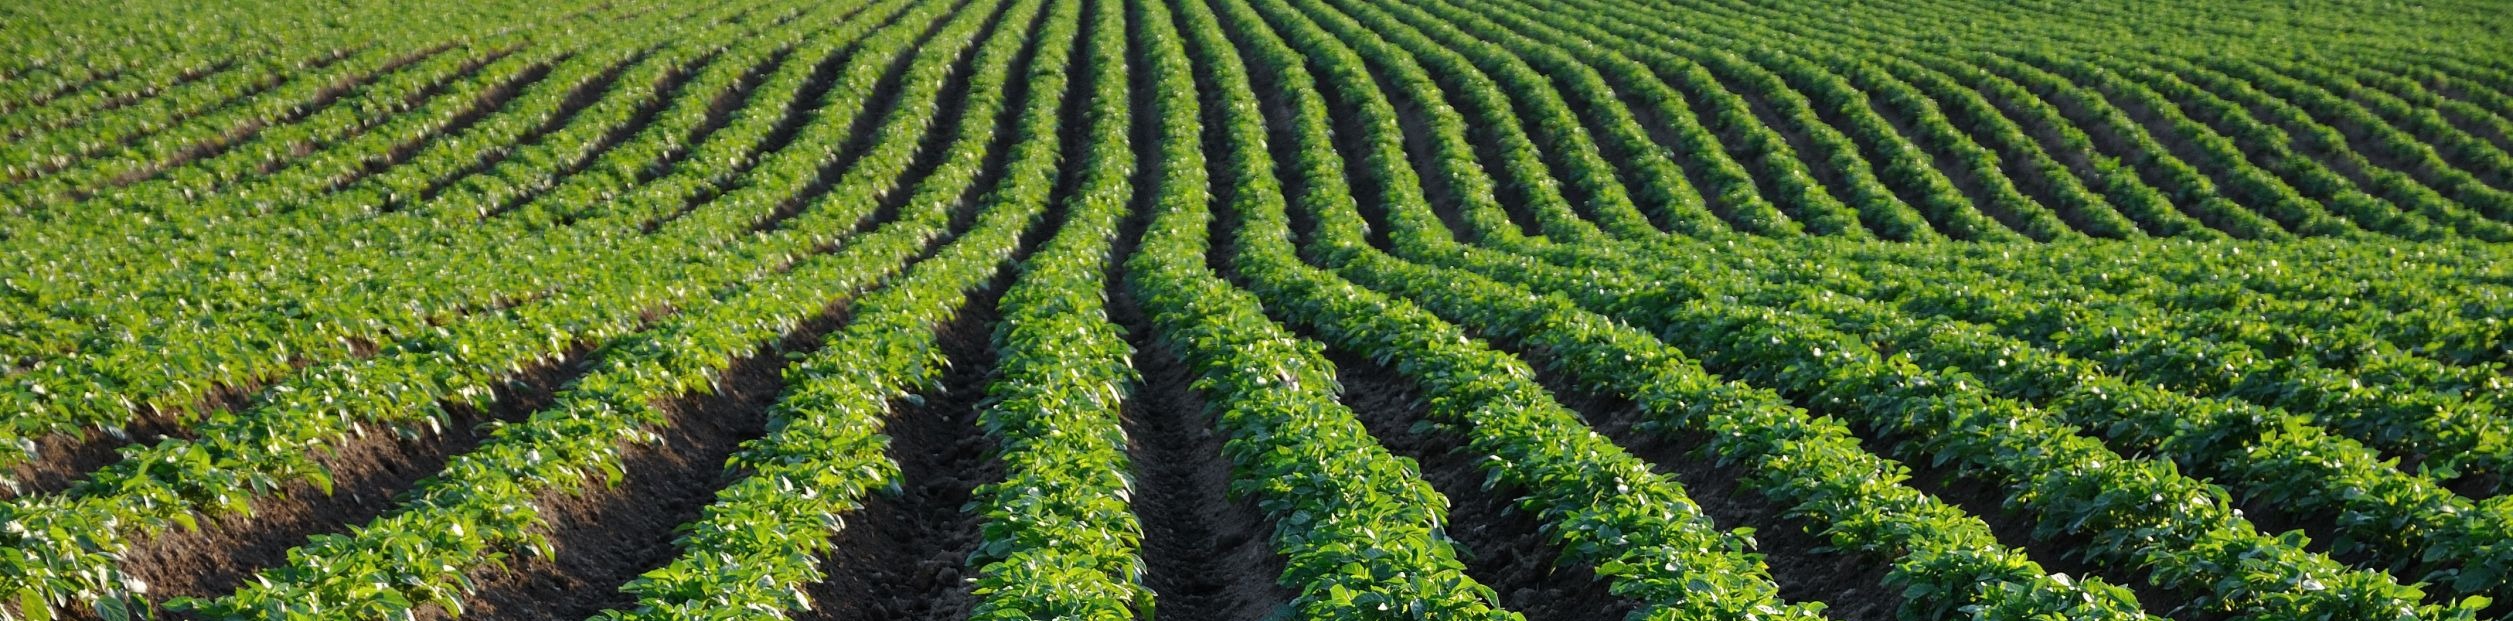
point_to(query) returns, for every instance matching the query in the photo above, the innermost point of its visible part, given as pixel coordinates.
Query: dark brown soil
(1500, 543)
(368, 472)
(2058, 554)
(1852, 588)
(1206, 555)
(62, 461)
(904, 556)
(604, 536)
(1941, 156)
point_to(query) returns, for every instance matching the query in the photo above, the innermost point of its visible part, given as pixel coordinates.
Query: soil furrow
(1503, 546)
(369, 471)
(2014, 528)
(241, 132)
(904, 556)
(1206, 554)
(604, 536)
(63, 461)
(1852, 588)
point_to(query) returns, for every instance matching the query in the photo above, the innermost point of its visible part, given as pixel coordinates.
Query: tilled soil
(905, 556)
(62, 461)
(2015, 529)
(367, 472)
(1206, 555)
(1501, 545)
(1851, 588)
(603, 536)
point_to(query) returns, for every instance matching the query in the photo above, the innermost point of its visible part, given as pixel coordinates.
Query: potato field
(1256, 310)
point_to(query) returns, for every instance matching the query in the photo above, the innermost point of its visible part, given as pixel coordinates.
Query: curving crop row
(1357, 527)
(232, 458)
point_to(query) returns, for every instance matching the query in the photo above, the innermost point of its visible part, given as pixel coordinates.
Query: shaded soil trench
(2058, 554)
(1852, 587)
(1206, 555)
(1500, 543)
(614, 535)
(62, 461)
(605, 536)
(1942, 156)
(904, 555)
(368, 471)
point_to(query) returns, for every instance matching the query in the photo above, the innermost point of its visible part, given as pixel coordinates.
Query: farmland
(1237, 310)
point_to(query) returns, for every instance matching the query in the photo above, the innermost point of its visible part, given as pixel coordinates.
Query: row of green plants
(320, 193)
(2215, 344)
(1916, 277)
(481, 508)
(755, 548)
(1761, 29)
(1959, 566)
(1590, 179)
(2229, 164)
(1600, 505)
(2433, 301)
(1060, 539)
(2300, 169)
(1360, 532)
(2272, 457)
(1933, 582)
(1659, 185)
(233, 457)
(2381, 136)
(2442, 216)
(2192, 539)
(2413, 408)
(2453, 435)
(245, 333)
(2274, 150)
(67, 62)
(2087, 188)
(2483, 158)
(1898, 164)
(2471, 116)
(204, 152)
(2064, 438)
(1958, 153)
